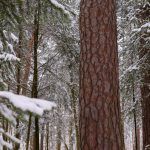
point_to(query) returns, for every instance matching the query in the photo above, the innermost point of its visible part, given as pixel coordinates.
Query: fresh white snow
(4, 143)
(15, 39)
(146, 25)
(7, 113)
(8, 57)
(60, 6)
(1, 45)
(12, 138)
(36, 106)
(10, 47)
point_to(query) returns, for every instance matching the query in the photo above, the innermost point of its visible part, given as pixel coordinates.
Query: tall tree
(35, 74)
(100, 121)
(18, 75)
(143, 14)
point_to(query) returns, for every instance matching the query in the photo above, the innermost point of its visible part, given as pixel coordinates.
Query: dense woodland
(74, 75)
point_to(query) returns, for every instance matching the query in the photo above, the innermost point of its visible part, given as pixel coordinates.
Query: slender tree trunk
(42, 137)
(122, 125)
(138, 138)
(47, 136)
(100, 119)
(134, 109)
(144, 55)
(35, 76)
(59, 136)
(36, 134)
(18, 85)
(17, 146)
(5, 127)
(70, 134)
(74, 108)
(27, 67)
(58, 146)
(145, 94)
(34, 93)
(28, 133)
(75, 119)
(25, 81)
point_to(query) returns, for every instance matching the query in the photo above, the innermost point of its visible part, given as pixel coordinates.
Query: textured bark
(100, 120)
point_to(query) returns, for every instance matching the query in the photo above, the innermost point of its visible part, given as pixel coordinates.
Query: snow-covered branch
(33, 105)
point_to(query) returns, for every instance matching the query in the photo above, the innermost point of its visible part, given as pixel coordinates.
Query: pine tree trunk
(138, 138)
(42, 137)
(144, 55)
(5, 127)
(36, 135)
(18, 84)
(74, 107)
(70, 134)
(100, 117)
(35, 76)
(145, 94)
(58, 146)
(28, 132)
(18, 75)
(27, 67)
(75, 119)
(134, 111)
(25, 81)
(47, 136)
